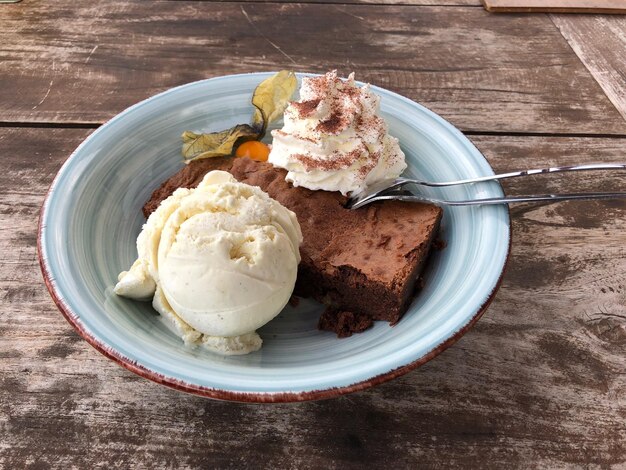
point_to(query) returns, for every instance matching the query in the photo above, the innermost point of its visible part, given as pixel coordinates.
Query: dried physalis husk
(270, 98)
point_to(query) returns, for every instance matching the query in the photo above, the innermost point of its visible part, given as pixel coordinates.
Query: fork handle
(515, 174)
(508, 199)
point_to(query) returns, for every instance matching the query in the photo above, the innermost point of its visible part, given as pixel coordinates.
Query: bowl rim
(228, 395)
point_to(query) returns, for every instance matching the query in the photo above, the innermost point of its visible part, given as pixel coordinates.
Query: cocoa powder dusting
(333, 125)
(306, 108)
(365, 169)
(339, 161)
(299, 137)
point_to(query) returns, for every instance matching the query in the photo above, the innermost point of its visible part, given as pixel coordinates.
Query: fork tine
(378, 188)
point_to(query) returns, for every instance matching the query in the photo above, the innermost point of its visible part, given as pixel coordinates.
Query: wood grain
(556, 6)
(69, 62)
(540, 381)
(445, 3)
(600, 43)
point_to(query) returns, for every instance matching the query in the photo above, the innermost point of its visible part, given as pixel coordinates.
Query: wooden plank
(600, 43)
(83, 62)
(539, 382)
(556, 6)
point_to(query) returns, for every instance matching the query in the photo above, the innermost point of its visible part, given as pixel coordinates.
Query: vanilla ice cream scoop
(333, 138)
(220, 260)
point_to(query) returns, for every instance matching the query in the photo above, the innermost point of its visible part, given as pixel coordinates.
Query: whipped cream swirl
(333, 138)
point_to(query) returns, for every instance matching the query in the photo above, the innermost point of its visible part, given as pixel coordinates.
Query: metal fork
(381, 191)
(488, 201)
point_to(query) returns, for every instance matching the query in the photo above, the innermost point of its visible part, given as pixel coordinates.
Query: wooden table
(540, 381)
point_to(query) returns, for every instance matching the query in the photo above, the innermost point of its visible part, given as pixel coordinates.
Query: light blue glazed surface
(93, 214)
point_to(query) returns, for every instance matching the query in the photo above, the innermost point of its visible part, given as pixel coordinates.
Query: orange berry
(254, 150)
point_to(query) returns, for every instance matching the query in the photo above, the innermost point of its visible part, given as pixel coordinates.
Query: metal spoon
(379, 191)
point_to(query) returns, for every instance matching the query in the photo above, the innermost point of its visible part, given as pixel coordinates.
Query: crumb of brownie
(344, 323)
(439, 244)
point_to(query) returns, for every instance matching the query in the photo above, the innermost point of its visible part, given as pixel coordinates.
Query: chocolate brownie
(363, 264)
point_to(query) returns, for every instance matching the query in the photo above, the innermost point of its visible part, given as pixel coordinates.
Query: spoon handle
(515, 174)
(495, 200)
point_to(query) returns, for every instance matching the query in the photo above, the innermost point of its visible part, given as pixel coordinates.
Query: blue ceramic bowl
(92, 215)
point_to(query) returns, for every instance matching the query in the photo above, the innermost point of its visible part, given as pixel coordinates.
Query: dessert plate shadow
(92, 216)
